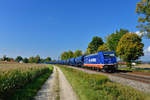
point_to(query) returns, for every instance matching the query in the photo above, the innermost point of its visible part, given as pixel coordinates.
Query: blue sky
(49, 27)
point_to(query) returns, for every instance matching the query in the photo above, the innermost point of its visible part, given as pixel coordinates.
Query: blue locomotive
(104, 60)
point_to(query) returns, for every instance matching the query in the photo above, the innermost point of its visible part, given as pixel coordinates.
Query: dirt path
(56, 87)
(48, 90)
(66, 91)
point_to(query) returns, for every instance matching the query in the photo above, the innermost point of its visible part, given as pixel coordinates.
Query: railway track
(140, 78)
(131, 76)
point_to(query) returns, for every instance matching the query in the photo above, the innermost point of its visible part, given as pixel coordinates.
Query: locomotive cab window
(109, 55)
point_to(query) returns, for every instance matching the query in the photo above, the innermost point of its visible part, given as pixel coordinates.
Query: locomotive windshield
(109, 55)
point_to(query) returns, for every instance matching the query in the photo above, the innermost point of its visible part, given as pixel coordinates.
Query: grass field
(22, 81)
(98, 87)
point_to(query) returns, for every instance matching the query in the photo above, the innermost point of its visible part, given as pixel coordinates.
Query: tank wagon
(79, 61)
(105, 61)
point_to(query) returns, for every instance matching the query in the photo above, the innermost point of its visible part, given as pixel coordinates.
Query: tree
(64, 55)
(37, 59)
(103, 47)
(130, 48)
(67, 55)
(31, 60)
(18, 59)
(4, 58)
(70, 54)
(48, 59)
(25, 60)
(114, 38)
(143, 9)
(94, 44)
(87, 52)
(77, 53)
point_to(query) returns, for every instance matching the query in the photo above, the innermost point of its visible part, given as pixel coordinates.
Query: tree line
(70, 54)
(19, 59)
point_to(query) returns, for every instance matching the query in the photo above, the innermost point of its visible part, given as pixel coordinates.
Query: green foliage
(5, 58)
(94, 45)
(30, 90)
(77, 53)
(70, 54)
(48, 59)
(130, 47)
(103, 47)
(67, 55)
(15, 78)
(31, 60)
(143, 9)
(87, 51)
(37, 59)
(64, 55)
(99, 87)
(25, 60)
(18, 59)
(114, 38)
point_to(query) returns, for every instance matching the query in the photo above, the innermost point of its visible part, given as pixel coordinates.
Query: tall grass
(17, 76)
(99, 87)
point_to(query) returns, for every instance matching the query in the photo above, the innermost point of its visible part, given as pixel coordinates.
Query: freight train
(104, 60)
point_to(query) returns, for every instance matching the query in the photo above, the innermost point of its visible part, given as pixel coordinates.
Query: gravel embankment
(132, 83)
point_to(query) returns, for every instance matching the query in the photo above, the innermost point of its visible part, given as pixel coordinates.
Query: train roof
(99, 52)
(91, 55)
